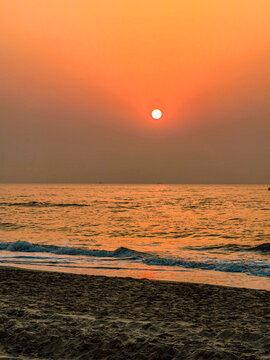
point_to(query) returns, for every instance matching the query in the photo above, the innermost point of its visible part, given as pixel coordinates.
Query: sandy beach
(48, 315)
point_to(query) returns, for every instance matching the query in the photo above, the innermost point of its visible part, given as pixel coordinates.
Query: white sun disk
(156, 114)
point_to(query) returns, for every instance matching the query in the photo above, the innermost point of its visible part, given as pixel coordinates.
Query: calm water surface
(216, 234)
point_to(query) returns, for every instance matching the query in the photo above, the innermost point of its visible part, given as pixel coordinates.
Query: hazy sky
(79, 79)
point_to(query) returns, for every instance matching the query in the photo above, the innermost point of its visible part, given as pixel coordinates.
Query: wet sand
(46, 315)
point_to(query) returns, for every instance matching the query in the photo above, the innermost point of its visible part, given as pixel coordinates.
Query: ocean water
(215, 234)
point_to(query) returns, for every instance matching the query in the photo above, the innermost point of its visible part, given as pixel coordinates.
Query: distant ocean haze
(215, 234)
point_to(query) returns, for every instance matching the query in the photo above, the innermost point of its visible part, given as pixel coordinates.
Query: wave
(41, 204)
(249, 267)
(263, 248)
(234, 266)
(10, 226)
(24, 246)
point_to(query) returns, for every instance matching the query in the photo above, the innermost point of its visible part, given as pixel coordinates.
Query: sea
(211, 234)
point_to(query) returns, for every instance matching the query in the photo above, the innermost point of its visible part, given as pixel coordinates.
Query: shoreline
(104, 274)
(55, 315)
(193, 276)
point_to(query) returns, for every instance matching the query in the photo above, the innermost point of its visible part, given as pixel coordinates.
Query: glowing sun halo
(156, 114)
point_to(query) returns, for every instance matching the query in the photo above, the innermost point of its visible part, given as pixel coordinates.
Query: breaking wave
(248, 267)
(24, 246)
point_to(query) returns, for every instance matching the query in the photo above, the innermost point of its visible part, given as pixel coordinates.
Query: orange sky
(119, 59)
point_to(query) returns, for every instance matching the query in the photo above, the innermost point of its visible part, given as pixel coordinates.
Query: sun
(156, 114)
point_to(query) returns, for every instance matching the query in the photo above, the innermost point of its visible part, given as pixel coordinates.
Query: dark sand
(45, 315)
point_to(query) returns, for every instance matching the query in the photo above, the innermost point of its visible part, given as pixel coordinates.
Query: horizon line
(119, 183)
